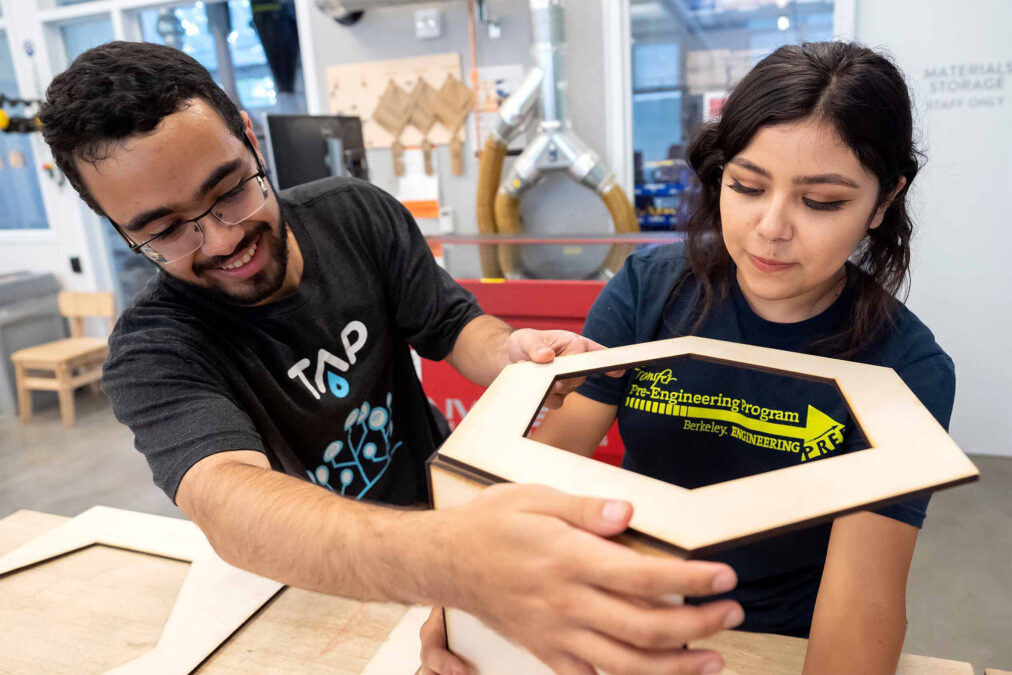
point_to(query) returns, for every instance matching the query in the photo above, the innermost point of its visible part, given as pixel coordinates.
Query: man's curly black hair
(118, 90)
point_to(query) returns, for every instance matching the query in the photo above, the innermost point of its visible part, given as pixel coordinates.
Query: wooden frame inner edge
(490, 440)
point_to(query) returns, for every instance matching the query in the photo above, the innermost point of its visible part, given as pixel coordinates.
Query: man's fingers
(611, 566)
(565, 664)
(617, 658)
(630, 573)
(656, 627)
(542, 354)
(542, 346)
(603, 517)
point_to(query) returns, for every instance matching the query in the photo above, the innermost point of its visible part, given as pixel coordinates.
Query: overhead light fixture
(783, 22)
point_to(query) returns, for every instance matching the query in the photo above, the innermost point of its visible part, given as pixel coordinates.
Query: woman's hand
(436, 658)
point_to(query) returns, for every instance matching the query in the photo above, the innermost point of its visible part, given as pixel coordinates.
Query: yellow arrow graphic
(820, 434)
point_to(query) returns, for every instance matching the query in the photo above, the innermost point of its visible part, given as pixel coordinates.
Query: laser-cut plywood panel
(83, 612)
(356, 89)
(910, 453)
(215, 598)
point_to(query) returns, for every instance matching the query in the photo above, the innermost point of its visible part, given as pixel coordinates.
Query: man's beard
(261, 285)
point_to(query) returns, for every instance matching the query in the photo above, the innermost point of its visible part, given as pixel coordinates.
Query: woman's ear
(880, 212)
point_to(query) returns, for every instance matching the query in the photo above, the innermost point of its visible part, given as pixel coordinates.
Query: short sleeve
(429, 307)
(933, 380)
(612, 322)
(175, 403)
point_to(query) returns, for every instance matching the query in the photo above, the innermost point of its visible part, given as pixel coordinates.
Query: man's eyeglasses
(184, 237)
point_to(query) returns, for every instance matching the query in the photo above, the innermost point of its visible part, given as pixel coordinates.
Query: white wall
(962, 271)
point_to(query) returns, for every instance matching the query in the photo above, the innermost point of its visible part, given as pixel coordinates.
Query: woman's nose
(775, 221)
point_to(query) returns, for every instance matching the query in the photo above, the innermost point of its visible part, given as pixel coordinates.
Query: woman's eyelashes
(738, 187)
(824, 206)
(810, 203)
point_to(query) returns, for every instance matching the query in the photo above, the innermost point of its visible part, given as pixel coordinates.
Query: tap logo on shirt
(735, 417)
(353, 338)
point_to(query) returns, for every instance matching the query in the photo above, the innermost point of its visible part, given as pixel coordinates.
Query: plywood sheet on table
(99, 607)
(87, 611)
(765, 654)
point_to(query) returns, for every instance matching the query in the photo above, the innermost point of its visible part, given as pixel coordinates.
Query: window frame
(618, 82)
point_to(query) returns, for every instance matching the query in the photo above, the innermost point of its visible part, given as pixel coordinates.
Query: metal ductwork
(555, 148)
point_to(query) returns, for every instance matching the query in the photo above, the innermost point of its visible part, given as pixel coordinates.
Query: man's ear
(884, 206)
(247, 124)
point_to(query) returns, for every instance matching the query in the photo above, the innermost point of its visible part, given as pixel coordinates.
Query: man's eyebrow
(138, 222)
(819, 179)
(217, 175)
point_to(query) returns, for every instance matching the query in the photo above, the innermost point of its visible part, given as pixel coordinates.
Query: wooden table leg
(66, 394)
(24, 394)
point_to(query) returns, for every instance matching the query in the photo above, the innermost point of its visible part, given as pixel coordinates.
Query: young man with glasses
(267, 377)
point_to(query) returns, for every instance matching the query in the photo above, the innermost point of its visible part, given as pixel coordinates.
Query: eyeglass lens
(231, 209)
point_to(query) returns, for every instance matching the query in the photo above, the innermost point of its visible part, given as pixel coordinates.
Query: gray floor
(960, 591)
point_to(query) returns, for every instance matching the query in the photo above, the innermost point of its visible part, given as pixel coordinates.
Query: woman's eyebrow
(818, 179)
(745, 164)
(830, 178)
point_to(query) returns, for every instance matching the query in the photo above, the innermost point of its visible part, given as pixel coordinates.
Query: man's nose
(219, 238)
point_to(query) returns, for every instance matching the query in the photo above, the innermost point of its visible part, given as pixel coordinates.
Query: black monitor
(304, 148)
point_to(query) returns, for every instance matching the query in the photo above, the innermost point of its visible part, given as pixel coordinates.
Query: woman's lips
(768, 266)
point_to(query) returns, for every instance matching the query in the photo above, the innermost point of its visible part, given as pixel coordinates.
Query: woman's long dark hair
(863, 95)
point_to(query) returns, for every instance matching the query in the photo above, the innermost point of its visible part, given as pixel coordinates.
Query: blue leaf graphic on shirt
(355, 461)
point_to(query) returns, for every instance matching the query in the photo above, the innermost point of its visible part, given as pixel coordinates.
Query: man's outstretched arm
(529, 561)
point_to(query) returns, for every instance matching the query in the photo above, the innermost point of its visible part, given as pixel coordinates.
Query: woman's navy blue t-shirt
(693, 423)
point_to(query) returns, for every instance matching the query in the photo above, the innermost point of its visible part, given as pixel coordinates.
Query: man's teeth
(242, 261)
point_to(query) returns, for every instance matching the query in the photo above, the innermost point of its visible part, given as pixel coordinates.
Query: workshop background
(642, 74)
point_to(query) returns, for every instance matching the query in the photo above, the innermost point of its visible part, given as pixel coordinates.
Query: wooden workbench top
(96, 608)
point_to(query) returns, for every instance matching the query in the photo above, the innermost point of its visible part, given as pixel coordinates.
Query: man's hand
(542, 346)
(531, 563)
(486, 345)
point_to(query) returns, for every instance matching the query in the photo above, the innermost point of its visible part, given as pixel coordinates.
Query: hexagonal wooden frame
(910, 454)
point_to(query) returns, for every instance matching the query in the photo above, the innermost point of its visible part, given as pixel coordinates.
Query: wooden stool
(65, 365)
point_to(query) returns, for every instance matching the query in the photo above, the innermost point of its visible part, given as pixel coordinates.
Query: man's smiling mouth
(243, 260)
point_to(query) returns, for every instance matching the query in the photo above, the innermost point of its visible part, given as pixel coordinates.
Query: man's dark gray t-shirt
(322, 381)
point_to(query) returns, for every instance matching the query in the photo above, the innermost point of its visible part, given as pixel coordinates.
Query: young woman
(798, 239)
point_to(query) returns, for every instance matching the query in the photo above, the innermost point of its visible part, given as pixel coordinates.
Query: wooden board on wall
(355, 89)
